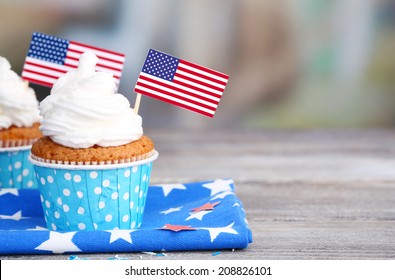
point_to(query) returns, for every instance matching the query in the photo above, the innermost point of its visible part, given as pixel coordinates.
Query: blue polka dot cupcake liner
(16, 171)
(93, 197)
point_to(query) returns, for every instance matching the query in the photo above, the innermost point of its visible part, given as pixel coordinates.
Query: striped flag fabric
(181, 83)
(50, 57)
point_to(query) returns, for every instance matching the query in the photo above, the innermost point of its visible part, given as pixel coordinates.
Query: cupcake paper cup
(15, 169)
(93, 197)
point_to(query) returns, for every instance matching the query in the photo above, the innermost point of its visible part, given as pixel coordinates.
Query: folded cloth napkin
(192, 216)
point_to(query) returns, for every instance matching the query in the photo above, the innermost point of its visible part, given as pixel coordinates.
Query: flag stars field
(49, 57)
(181, 83)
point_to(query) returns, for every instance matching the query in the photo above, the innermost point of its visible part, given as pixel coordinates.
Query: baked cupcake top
(84, 110)
(45, 150)
(18, 102)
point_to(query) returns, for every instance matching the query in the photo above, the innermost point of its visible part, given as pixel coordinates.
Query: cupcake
(93, 163)
(19, 122)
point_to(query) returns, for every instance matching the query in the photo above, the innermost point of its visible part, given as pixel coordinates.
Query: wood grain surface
(308, 194)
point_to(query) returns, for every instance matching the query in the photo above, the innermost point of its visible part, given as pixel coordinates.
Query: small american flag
(181, 83)
(49, 57)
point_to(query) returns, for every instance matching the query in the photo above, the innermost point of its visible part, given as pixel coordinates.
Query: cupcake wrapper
(16, 143)
(94, 163)
(90, 197)
(15, 169)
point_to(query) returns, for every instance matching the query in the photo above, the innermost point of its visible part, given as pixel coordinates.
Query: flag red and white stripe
(55, 56)
(181, 83)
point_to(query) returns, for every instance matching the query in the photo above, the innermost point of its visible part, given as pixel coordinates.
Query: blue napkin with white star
(212, 213)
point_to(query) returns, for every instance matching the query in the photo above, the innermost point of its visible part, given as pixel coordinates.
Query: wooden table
(308, 194)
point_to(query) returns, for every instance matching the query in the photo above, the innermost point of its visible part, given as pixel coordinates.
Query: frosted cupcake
(19, 122)
(93, 164)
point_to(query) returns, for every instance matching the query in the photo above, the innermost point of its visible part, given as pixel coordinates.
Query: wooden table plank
(308, 194)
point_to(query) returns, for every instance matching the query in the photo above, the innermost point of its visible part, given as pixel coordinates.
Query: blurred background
(292, 63)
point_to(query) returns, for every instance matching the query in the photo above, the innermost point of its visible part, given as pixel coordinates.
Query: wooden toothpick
(137, 103)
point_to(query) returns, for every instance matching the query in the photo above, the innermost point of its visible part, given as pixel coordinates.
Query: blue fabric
(23, 228)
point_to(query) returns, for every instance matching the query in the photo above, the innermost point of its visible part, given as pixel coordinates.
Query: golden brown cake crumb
(20, 133)
(46, 149)
(19, 136)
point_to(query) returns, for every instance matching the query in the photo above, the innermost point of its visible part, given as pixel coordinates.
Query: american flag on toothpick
(181, 83)
(49, 57)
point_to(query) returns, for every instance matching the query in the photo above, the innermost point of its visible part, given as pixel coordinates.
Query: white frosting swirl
(18, 102)
(84, 109)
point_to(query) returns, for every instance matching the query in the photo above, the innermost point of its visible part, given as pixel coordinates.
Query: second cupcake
(19, 121)
(93, 164)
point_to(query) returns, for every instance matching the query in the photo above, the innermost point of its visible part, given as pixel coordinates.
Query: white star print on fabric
(219, 186)
(198, 215)
(171, 210)
(186, 207)
(214, 232)
(16, 217)
(11, 191)
(121, 234)
(37, 228)
(59, 243)
(167, 188)
(222, 195)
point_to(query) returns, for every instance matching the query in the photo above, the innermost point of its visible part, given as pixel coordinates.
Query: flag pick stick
(137, 103)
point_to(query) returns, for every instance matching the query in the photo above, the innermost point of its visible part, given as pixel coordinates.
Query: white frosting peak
(18, 103)
(84, 109)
